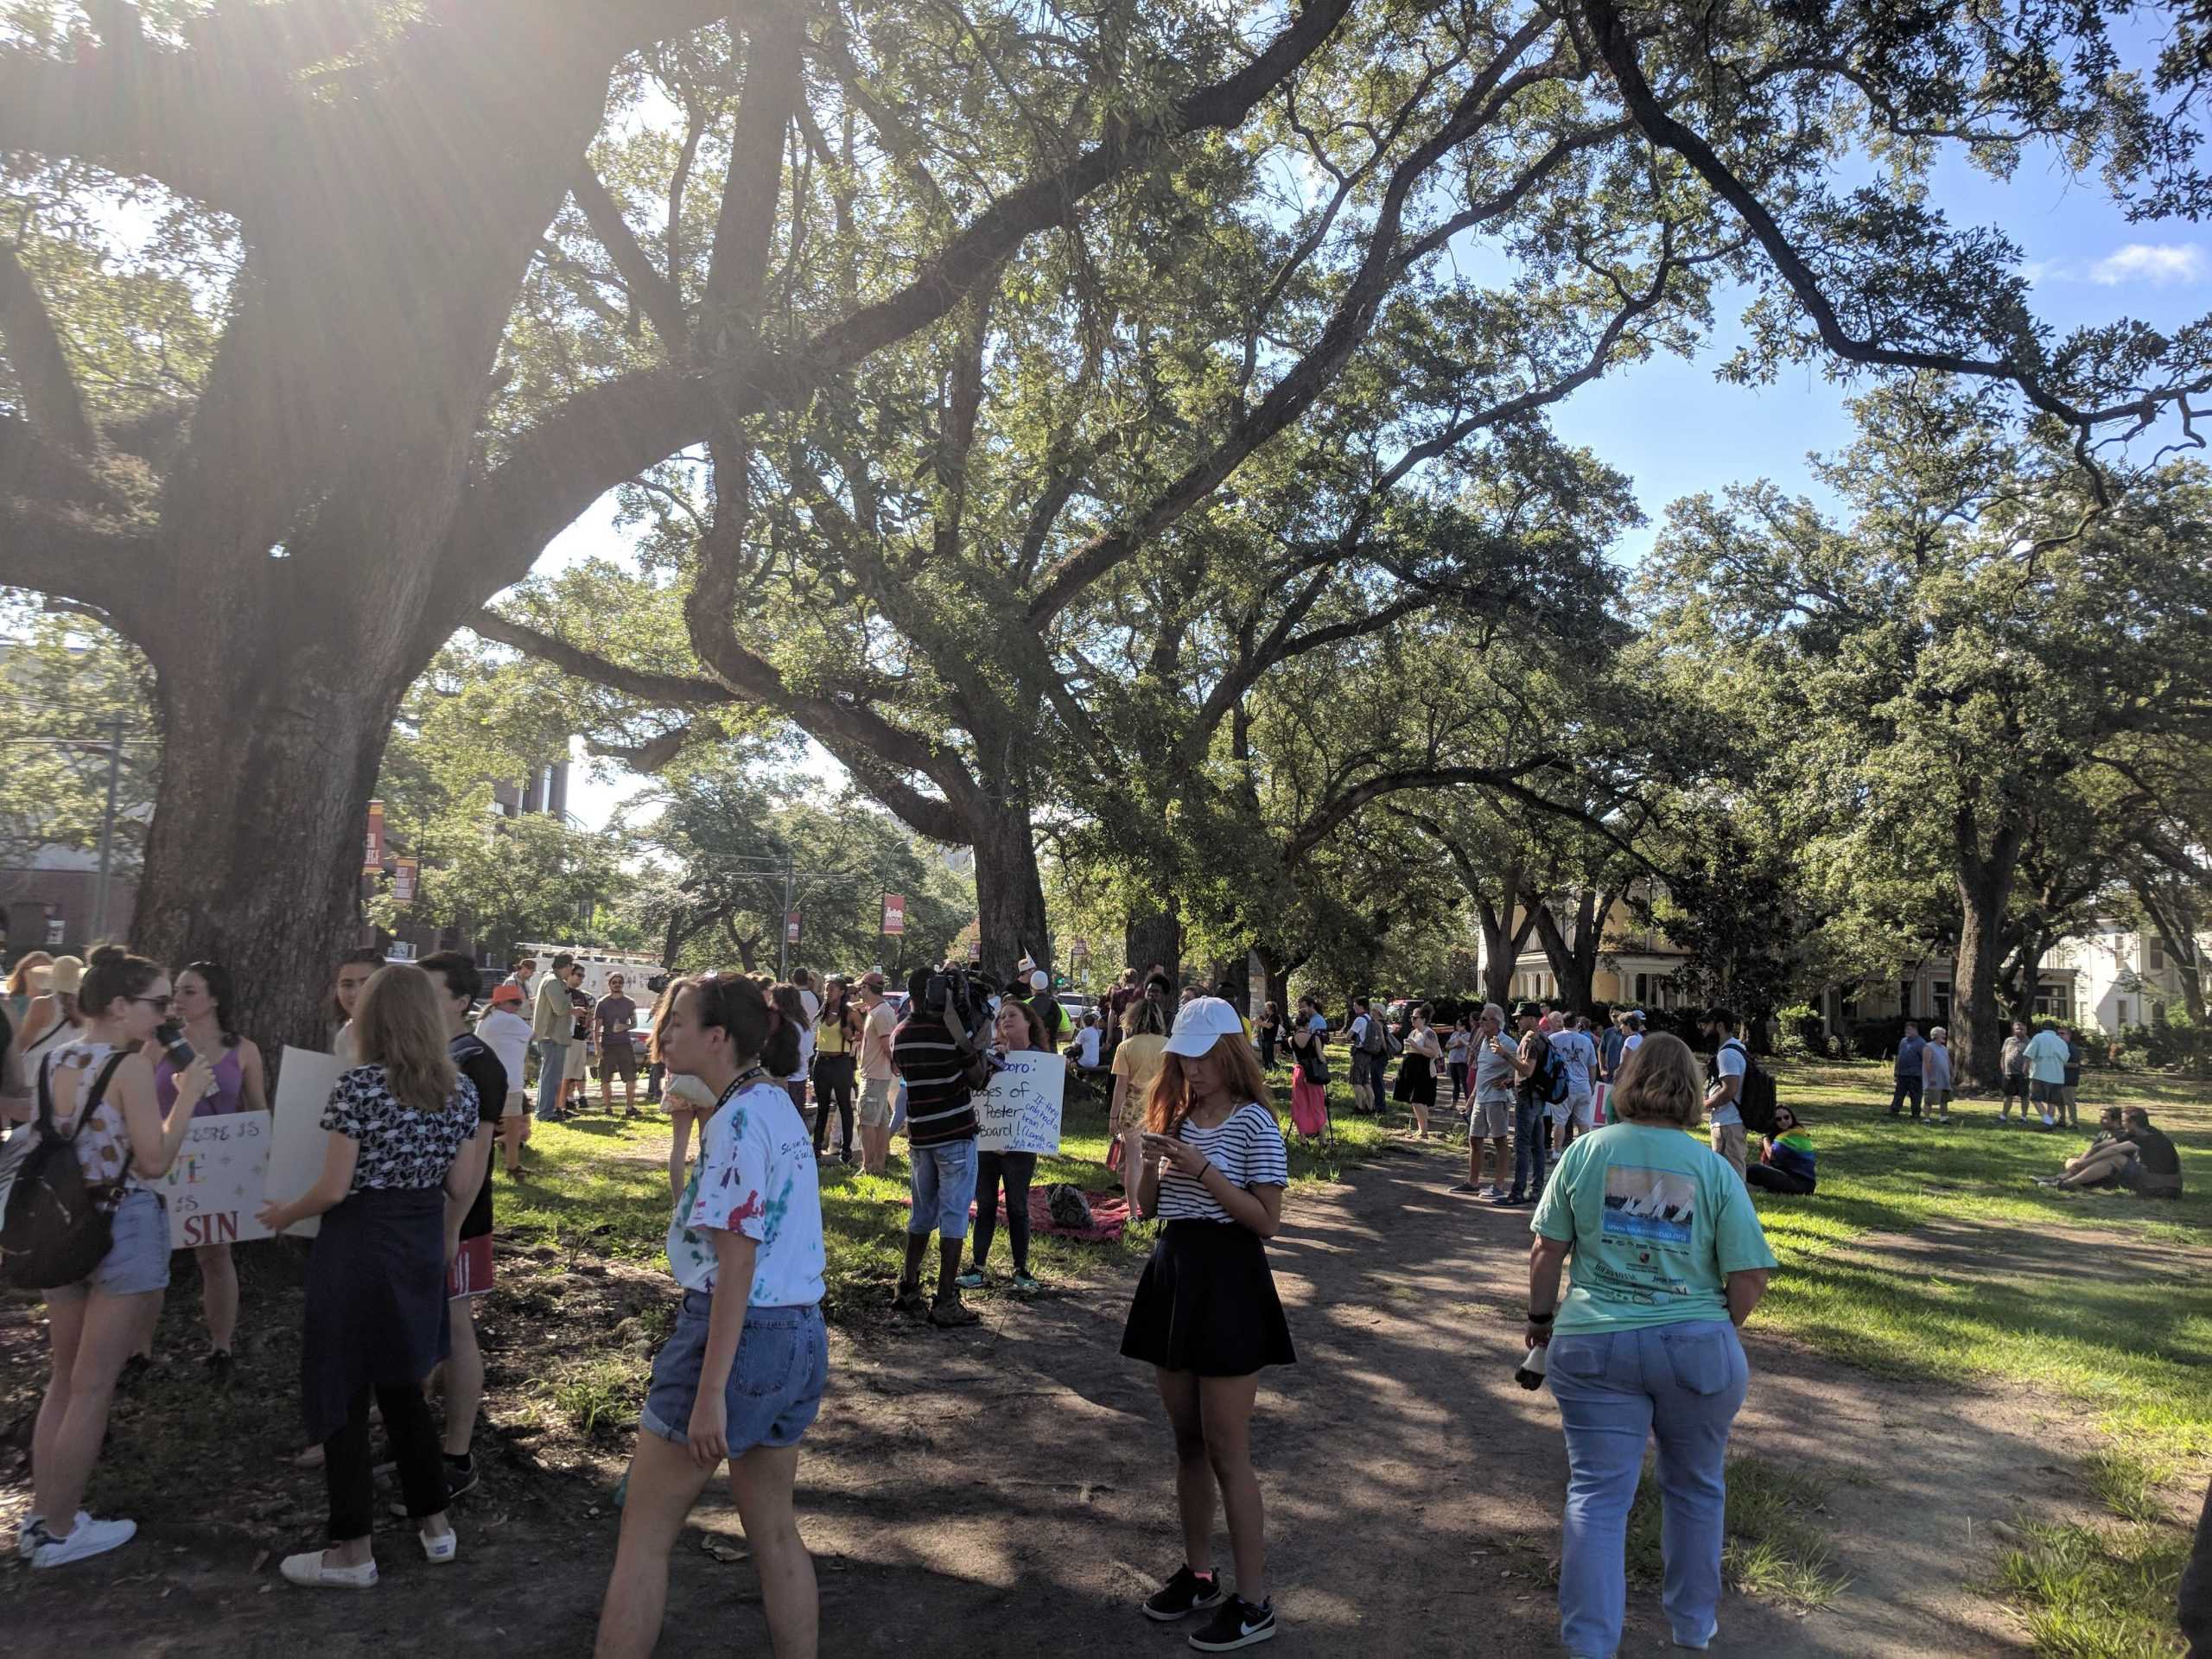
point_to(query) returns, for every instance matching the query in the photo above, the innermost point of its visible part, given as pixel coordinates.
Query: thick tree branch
(670, 690)
(51, 396)
(68, 553)
(656, 295)
(747, 224)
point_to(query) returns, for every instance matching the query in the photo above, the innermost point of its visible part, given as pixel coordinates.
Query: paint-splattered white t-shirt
(755, 1175)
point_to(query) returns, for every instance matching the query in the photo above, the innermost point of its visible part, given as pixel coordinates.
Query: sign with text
(405, 875)
(219, 1181)
(895, 912)
(1021, 1111)
(790, 928)
(1080, 948)
(373, 843)
(296, 1137)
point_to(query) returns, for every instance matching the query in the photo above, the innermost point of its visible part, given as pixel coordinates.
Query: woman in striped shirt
(1210, 1161)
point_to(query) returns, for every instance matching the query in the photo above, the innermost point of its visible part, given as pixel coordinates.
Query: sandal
(312, 1571)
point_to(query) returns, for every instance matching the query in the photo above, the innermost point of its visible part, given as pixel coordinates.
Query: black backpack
(1755, 1095)
(58, 1225)
(1375, 1040)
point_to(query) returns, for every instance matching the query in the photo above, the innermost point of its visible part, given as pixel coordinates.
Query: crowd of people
(1647, 1255)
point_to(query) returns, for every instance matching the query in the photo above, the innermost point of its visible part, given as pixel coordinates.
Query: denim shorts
(943, 1183)
(137, 1259)
(774, 1388)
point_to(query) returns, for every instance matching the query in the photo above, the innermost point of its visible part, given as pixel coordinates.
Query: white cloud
(2159, 264)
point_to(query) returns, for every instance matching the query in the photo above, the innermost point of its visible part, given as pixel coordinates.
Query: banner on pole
(1019, 1111)
(895, 912)
(220, 1181)
(373, 844)
(790, 928)
(405, 872)
(296, 1137)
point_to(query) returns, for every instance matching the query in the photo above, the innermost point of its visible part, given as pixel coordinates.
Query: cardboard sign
(297, 1139)
(1021, 1111)
(219, 1181)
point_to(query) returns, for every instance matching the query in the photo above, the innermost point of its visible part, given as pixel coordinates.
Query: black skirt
(1207, 1304)
(375, 1301)
(1416, 1081)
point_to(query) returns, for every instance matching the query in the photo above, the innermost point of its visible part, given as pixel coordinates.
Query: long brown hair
(19, 981)
(1660, 1085)
(1169, 1101)
(398, 1026)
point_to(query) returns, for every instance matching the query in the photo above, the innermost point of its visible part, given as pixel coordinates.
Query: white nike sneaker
(88, 1538)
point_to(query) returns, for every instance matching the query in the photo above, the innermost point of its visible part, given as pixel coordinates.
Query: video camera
(962, 989)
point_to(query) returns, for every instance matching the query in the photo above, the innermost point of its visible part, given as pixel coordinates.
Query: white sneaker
(439, 1549)
(26, 1539)
(310, 1570)
(88, 1538)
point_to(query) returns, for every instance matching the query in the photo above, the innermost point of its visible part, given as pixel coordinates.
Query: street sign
(895, 912)
(790, 928)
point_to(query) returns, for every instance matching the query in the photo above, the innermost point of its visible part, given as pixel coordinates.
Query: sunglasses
(158, 1004)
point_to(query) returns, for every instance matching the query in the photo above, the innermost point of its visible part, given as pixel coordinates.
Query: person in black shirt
(468, 1226)
(2156, 1170)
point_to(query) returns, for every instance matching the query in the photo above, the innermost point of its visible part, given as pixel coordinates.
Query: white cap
(1040, 981)
(1200, 1023)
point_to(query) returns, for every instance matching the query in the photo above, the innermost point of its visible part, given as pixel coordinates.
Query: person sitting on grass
(2100, 1166)
(1786, 1158)
(2156, 1172)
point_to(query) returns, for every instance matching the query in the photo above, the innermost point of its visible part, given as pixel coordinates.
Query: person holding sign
(1016, 1030)
(203, 1000)
(1208, 1160)
(376, 1320)
(742, 1376)
(102, 1084)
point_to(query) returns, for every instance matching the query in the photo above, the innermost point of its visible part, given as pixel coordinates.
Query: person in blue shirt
(1907, 1072)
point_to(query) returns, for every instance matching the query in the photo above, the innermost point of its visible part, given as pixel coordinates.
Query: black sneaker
(218, 1367)
(1183, 1594)
(909, 1299)
(1238, 1624)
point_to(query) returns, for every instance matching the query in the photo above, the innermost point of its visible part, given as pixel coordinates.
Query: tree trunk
(1009, 892)
(1504, 939)
(1985, 886)
(1277, 972)
(1155, 936)
(1574, 963)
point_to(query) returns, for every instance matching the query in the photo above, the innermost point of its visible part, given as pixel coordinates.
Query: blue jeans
(1616, 1389)
(552, 1062)
(942, 1180)
(1531, 1129)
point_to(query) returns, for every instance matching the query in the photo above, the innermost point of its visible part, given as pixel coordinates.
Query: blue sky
(1675, 429)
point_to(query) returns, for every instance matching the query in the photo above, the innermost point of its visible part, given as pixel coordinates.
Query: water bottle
(179, 1053)
(1529, 1373)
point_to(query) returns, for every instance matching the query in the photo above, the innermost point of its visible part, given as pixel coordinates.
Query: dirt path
(1007, 1491)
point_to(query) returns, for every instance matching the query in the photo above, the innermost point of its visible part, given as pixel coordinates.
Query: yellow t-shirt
(1139, 1059)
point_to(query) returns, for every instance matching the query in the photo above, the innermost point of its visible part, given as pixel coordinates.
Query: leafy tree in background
(1943, 671)
(64, 682)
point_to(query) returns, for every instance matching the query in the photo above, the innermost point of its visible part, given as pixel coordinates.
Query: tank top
(55, 1037)
(103, 1144)
(227, 1096)
(829, 1037)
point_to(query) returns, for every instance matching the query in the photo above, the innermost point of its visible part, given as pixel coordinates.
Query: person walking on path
(878, 1022)
(376, 1321)
(1017, 1028)
(1578, 1052)
(1724, 1093)
(1416, 1084)
(742, 1376)
(2070, 1094)
(1368, 1058)
(1208, 1160)
(1668, 1260)
(941, 1129)
(1531, 1113)
(1907, 1072)
(1935, 1075)
(550, 1025)
(101, 1086)
(2013, 1059)
(2046, 1055)
(203, 1001)
(1492, 1120)
(836, 1051)
(613, 1017)
(1309, 1070)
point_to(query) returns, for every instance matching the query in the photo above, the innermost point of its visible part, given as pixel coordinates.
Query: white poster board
(296, 1138)
(1021, 1111)
(215, 1188)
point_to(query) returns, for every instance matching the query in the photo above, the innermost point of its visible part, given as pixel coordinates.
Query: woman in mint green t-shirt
(1667, 1259)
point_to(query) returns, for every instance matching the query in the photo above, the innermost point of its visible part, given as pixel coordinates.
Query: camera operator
(940, 1051)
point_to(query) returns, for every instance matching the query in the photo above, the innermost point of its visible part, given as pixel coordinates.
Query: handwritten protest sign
(216, 1184)
(296, 1139)
(1021, 1111)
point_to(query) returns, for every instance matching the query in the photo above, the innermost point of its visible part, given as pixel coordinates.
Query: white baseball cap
(1040, 981)
(1200, 1023)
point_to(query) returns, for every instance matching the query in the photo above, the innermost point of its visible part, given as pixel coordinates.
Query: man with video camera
(942, 1051)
